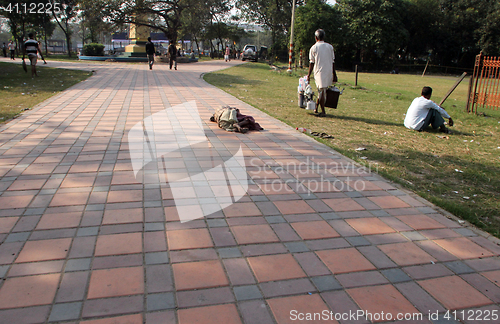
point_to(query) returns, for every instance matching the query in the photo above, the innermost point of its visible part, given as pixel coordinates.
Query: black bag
(332, 97)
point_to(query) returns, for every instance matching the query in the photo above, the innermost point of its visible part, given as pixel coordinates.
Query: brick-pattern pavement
(84, 241)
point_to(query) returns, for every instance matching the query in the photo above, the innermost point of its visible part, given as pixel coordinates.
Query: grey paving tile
(357, 241)
(151, 227)
(3, 270)
(227, 253)
(216, 222)
(78, 264)
(88, 231)
(295, 247)
(65, 312)
(18, 237)
(379, 213)
(326, 283)
(275, 219)
(396, 275)
(247, 292)
(459, 267)
(161, 301)
(465, 232)
(156, 258)
(329, 216)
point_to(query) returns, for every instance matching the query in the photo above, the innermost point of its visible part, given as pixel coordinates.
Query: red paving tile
(27, 185)
(62, 220)
(454, 293)
(388, 202)
(120, 196)
(379, 300)
(405, 254)
(69, 199)
(45, 250)
(122, 216)
(275, 267)
(242, 209)
(249, 234)
(464, 248)
(15, 202)
(493, 276)
(298, 309)
(189, 239)
(210, 315)
(7, 223)
(196, 275)
(370, 226)
(314, 230)
(115, 244)
(116, 282)
(345, 260)
(343, 204)
(127, 319)
(28, 291)
(293, 207)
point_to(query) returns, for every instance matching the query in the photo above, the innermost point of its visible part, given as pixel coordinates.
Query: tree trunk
(197, 45)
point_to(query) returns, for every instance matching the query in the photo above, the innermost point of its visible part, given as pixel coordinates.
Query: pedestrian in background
(172, 52)
(32, 48)
(150, 51)
(12, 49)
(4, 49)
(322, 62)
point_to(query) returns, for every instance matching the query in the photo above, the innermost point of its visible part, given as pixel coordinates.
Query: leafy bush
(93, 49)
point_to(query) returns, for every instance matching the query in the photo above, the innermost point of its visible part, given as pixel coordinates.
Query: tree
(489, 33)
(376, 27)
(163, 15)
(64, 18)
(275, 15)
(92, 19)
(317, 14)
(21, 22)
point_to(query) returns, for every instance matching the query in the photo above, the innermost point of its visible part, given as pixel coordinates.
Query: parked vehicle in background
(250, 53)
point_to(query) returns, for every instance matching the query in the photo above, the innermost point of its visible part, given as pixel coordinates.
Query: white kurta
(322, 55)
(418, 110)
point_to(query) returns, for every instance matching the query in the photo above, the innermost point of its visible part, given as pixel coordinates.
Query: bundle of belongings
(231, 120)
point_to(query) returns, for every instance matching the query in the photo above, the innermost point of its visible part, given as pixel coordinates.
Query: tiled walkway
(83, 241)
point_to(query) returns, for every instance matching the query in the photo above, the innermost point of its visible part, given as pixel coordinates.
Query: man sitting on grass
(424, 112)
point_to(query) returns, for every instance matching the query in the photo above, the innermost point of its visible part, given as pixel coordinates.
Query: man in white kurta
(424, 112)
(322, 62)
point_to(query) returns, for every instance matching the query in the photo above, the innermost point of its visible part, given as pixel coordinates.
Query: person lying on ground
(424, 112)
(231, 120)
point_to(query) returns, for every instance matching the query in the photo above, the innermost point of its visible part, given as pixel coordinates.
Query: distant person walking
(424, 112)
(32, 48)
(322, 62)
(12, 49)
(226, 55)
(4, 49)
(150, 51)
(172, 51)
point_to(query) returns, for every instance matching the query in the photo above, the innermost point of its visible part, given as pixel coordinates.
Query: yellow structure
(138, 36)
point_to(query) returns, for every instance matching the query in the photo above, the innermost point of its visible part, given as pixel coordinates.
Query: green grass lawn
(19, 92)
(458, 172)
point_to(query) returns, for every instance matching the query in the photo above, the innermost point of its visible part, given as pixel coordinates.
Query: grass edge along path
(19, 92)
(457, 172)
